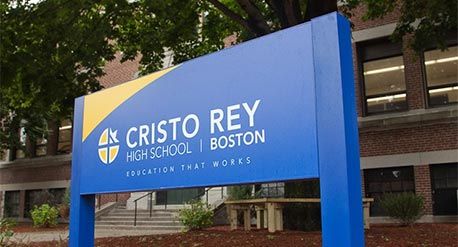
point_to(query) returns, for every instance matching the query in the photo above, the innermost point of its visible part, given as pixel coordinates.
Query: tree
(428, 21)
(53, 51)
(190, 28)
(50, 53)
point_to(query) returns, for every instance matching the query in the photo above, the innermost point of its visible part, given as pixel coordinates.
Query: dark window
(444, 181)
(271, 190)
(11, 204)
(387, 180)
(382, 68)
(34, 198)
(442, 76)
(181, 196)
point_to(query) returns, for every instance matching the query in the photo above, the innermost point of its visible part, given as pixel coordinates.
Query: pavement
(28, 237)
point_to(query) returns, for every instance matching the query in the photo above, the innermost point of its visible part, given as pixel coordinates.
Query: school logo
(108, 146)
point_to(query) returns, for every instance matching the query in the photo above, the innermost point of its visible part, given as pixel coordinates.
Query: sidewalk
(27, 237)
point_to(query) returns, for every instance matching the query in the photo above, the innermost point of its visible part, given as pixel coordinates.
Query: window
(40, 146)
(442, 76)
(444, 184)
(65, 137)
(383, 84)
(33, 198)
(387, 180)
(271, 190)
(22, 140)
(11, 204)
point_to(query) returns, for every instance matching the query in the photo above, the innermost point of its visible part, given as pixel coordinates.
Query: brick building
(407, 115)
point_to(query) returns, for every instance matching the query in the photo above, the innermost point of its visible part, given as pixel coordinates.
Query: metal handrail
(205, 192)
(150, 194)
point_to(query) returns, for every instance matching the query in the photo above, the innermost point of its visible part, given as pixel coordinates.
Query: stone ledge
(54, 160)
(445, 114)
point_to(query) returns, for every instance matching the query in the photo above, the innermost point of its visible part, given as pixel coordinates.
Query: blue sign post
(276, 108)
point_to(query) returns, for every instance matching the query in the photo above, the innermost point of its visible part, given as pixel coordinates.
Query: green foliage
(6, 231)
(429, 21)
(406, 207)
(50, 52)
(197, 216)
(44, 216)
(240, 192)
(172, 25)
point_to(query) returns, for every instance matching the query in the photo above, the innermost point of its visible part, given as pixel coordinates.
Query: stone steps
(123, 219)
(131, 218)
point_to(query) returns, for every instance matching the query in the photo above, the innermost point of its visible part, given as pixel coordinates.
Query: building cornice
(447, 114)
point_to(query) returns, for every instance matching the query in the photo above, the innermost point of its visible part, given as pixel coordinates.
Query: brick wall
(359, 23)
(413, 77)
(35, 174)
(358, 94)
(423, 186)
(363, 187)
(117, 72)
(121, 197)
(423, 138)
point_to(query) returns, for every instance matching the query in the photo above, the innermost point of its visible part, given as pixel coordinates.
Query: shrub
(197, 216)
(44, 216)
(5, 231)
(406, 207)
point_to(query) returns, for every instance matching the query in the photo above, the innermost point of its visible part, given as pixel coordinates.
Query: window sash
(378, 50)
(434, 59)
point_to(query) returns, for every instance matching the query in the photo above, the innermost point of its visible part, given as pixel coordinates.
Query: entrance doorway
(444, 188)
(173, 197)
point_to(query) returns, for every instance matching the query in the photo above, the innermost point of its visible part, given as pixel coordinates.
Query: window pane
(441, 66)
(442, 76)
(11, 204)
(387, 103)
(384, 84)
(387, 180)
(65, 137)
(384, 76)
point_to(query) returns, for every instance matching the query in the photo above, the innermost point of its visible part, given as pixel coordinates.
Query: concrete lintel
(410, 159)
(373, 33)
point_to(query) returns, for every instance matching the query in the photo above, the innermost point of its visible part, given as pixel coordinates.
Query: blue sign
(276, 108)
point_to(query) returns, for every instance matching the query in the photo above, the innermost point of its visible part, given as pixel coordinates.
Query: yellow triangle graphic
(99, 105)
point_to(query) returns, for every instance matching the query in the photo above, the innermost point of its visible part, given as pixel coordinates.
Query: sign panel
(245, 114)
(276, 108)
